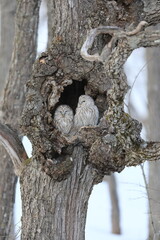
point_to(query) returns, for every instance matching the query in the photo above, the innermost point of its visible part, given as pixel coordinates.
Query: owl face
(63, 111)
(85, 100)
(63, 118)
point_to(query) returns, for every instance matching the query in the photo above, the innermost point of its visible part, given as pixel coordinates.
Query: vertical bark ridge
(63, 204)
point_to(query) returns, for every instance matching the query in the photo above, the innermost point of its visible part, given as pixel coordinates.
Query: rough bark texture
(24, 53)
(7, 198)
(153, 56)
(63, 205)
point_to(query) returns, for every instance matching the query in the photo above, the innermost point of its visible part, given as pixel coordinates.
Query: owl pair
(87, 114)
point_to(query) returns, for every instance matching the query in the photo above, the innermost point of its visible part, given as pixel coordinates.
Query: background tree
(115, 211)
(56, 183)
(153, 55)
(23, 55)
(7, 176)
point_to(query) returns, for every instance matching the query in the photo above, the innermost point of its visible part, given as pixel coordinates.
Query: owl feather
(63, 118)
(87, 113)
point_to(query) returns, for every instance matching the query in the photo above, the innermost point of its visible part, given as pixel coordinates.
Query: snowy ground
(132, 193)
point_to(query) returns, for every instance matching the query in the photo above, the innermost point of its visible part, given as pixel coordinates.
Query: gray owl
(63, 118)
(87, 113)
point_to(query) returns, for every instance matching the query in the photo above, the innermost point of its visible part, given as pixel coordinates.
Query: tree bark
(24, 53)
(64, 212)
(7, 196)
(153, 128)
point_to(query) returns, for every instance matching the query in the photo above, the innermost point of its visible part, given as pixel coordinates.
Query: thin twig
(131, 89)
(149, 202)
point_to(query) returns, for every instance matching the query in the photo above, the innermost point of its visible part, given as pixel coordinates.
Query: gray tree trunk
(56, 183)
(7, 176)
(153, 56)
(7, 12)
(58, 213)
(24, 52)
(115, 210)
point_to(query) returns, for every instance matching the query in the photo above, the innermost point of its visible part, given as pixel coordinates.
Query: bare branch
(137, 29)
(90, 39)
(13, 146)
(149, 198)
(145, 151)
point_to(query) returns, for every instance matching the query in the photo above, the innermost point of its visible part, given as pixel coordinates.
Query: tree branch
(10, 140)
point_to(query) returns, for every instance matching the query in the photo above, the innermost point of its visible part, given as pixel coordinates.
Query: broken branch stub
(13, 145)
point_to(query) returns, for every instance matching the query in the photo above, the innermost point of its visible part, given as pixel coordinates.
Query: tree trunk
(8, 9)
(24, 52)
(23, 56)
(64, 203)
(7, 196)
(115, 211)
(153, 54)
(60, 76)
(63, 211)
(7, 176)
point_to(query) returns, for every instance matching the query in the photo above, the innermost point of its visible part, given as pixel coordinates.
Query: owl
(63, 118)
(87, 113)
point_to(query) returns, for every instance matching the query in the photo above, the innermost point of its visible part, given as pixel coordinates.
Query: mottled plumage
(87, 113)
(63, 118)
